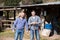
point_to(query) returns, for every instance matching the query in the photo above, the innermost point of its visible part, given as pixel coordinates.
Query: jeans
(19, 33)
(36, 32)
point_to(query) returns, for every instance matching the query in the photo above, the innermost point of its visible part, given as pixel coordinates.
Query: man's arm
(29, 21)
(15, 22)
(39, 20)
(26, 25)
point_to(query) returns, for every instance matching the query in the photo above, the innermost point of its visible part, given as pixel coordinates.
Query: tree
(37, 1)
(11, 2)
(31, 1)
(1, 1)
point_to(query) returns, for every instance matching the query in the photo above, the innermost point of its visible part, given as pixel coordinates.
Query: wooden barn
(51, 9)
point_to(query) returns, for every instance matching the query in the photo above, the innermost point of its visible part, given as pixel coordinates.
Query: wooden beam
(2, 9)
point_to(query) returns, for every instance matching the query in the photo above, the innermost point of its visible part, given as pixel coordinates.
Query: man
(33, 23)
(20, 24)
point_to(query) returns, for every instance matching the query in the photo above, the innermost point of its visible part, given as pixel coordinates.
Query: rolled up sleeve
(39, 20)
(29, 22)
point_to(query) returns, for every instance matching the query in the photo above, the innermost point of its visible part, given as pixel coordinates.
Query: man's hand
(13, 30)
(34, 23)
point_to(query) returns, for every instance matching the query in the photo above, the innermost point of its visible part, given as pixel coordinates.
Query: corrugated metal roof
(42, 4)
(19, 7)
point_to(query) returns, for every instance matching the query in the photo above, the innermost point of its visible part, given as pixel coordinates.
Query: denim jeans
(36, 32)
(19, 33)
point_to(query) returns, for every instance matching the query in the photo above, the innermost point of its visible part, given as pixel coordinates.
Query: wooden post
(14, 14)
(1, 13)
(7, 15)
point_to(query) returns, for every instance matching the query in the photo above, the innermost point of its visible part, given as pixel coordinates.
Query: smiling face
(33, 13)
(22, 14)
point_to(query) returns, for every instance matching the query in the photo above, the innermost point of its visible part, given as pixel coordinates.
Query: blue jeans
(19, 33)
(36, 34)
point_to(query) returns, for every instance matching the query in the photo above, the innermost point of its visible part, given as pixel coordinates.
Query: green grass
(7, 33)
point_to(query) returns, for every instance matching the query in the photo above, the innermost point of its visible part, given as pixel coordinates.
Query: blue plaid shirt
(34, 19)
(20, 23)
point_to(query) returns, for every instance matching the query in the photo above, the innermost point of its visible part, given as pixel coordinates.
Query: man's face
(22, 14)
(33, 13)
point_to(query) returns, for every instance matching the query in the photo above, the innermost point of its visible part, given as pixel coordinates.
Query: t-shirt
(48, 26)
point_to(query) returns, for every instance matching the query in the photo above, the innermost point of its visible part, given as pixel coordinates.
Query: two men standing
(33, 25)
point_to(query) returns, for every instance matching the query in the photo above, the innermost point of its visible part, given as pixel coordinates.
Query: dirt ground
(9, 36)
(55, 37)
